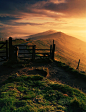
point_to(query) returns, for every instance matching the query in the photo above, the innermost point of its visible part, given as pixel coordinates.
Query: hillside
(68, 49)
(41, 86)
(25, 89)
(41, 35)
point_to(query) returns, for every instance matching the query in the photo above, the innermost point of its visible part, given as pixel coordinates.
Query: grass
(65, 53)
(66, 60)
(71, 59)
(17, 64)
(18, 41)
(41, 44)
(71, 70)
(37, 94)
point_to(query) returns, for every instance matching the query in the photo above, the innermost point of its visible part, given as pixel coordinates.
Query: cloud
(12, 21)
(75, 8)
(16, 6)
(28, 14)
(4, 35)
(26, 23)
(19, 8)
(56, 7)
(8, 19)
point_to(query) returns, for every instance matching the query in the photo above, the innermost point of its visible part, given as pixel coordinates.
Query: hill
(68, 49)
(27, 90)
(41, 35)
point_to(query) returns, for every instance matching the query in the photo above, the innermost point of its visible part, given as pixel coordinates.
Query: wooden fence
(13, 52)
(24, 52)
(3, 51)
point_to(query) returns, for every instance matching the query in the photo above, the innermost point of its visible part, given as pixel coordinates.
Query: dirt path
(55, 74)
(60, 75)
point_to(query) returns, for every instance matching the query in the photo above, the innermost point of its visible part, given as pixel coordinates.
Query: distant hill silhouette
(41, 35)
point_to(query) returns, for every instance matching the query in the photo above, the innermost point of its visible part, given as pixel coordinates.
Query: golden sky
(26, 17)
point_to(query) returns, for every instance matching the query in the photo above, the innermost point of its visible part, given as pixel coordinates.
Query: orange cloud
(73, 8)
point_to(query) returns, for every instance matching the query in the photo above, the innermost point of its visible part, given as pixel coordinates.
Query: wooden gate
(3, 51)
(29, 52)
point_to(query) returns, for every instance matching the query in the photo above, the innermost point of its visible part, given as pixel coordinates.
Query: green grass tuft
(37, 94)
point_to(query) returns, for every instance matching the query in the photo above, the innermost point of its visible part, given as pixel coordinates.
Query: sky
(26, 17)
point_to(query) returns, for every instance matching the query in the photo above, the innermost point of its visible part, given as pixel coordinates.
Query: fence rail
(25, 51)
(3, 51)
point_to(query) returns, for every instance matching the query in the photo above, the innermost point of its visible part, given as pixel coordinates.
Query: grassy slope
(63, 52)
(38, 94)
(40, 35)
(67, 51)
(18, 41)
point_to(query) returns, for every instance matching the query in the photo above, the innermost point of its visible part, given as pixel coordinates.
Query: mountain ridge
(51, 34)
(42, 34)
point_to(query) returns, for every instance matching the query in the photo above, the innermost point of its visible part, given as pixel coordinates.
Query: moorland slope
(68, 49)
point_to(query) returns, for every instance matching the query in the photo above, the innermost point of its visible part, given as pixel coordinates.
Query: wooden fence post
(33, 54)
(53, 50)
(50, 51)
(10, 47)
(16, 50)
(78, 65)
(6, 50)
(53, 41)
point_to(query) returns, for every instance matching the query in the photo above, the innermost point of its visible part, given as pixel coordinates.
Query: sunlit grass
(68, 53)
(18, 41)
(37, 94)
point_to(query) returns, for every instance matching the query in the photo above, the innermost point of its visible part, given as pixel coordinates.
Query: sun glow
(67, 16)
(73, 26)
